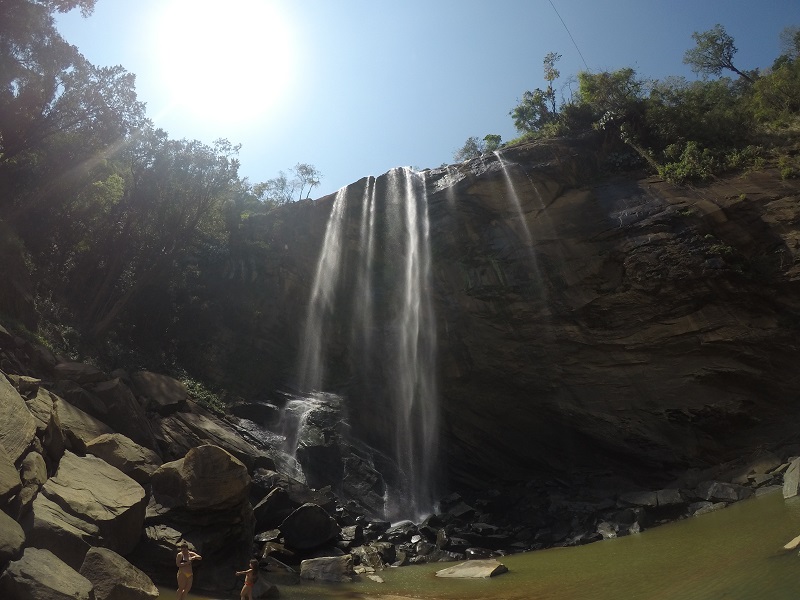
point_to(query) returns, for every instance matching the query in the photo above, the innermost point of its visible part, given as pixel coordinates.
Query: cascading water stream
(512, 193)
(415, 393)
(321, 304)
(380, 286)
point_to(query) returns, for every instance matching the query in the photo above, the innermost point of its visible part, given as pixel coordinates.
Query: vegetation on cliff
(685, 130)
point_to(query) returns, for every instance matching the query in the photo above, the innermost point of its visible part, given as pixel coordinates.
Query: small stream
(732, 554)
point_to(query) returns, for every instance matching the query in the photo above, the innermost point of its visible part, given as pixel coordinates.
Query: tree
(175, 193)
(306, 175)
(492, 142)
(790, 44)
(48, 88)
(278, 190)
(550, 75)
(281, 189)
(713, 53)
(475, 147)
(532, 113)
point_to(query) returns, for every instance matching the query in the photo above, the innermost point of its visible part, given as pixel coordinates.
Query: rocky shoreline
(103, 474)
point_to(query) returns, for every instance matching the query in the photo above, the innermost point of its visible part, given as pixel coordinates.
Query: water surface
(732, 554)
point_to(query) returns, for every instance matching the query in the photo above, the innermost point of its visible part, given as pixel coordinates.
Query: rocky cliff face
(583, 322)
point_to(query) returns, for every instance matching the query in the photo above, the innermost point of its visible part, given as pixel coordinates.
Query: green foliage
(776, 95)
(713, 52)
(749, 157)
(538, 109)
(690, 163)
(202, 395)
(788, 166)
(710, 112)
(282, 189)
(475, 147)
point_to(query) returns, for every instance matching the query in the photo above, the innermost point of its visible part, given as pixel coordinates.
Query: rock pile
(92, 503)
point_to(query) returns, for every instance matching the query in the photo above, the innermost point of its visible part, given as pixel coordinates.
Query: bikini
(184, 561)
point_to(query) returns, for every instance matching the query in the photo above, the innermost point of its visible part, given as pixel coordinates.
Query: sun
(223, 61)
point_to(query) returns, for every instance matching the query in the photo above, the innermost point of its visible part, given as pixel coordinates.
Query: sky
(358, 87)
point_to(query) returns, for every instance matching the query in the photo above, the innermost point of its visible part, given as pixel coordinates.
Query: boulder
(79, 427)
(717, 491)
(17, 425)
(669, 497)
(25, 385)
(33, 469)
(33, 474)
(337, 569)
(9, 477)
(79, 397)
(207, 477)
(87, 503)
(48, 426)
(266, 480)
(80, 373)
(41, 575)
(791, 479)
(12, 538)
(114, 578)
(273, 509)
(182, 431)
(308, 527)
(124, 412)
(162, 393)
(646, 499)
(137, 462)
(474, 569)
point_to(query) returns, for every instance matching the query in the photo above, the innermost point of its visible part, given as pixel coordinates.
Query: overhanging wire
(570, 35)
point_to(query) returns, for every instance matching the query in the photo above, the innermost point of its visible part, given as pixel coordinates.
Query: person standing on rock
(250, 576)
(184, 563)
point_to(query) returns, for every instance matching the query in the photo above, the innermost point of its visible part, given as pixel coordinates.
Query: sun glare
(223, 61)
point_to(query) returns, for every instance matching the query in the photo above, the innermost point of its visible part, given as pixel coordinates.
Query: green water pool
(735, 553)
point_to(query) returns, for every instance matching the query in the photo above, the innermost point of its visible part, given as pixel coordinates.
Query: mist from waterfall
(372, 294)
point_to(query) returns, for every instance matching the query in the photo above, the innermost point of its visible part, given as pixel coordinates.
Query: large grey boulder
(137, 462)
(271, 511)
(337, 569)
(41, 575)
(42, 405)
(195, 426)
(33, 473)
(87, 503)
(80, 373)
(12, 538)
(204, 499)
(79, 427)
(207, 477)
(124, 412)
(474, 569)
(791, 479)
(10, 482)
(718, 491)
(114, 578)
(162, 393)
(310, 526)
(17, 425)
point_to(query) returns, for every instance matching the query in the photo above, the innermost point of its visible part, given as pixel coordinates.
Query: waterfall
(374, 275)
(414, 386)
(321, 304)
(512, 193)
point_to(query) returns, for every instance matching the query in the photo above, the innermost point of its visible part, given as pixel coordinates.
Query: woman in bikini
(250, 576)
(184, 563)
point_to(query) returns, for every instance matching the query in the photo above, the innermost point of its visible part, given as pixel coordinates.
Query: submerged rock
(474, 569)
